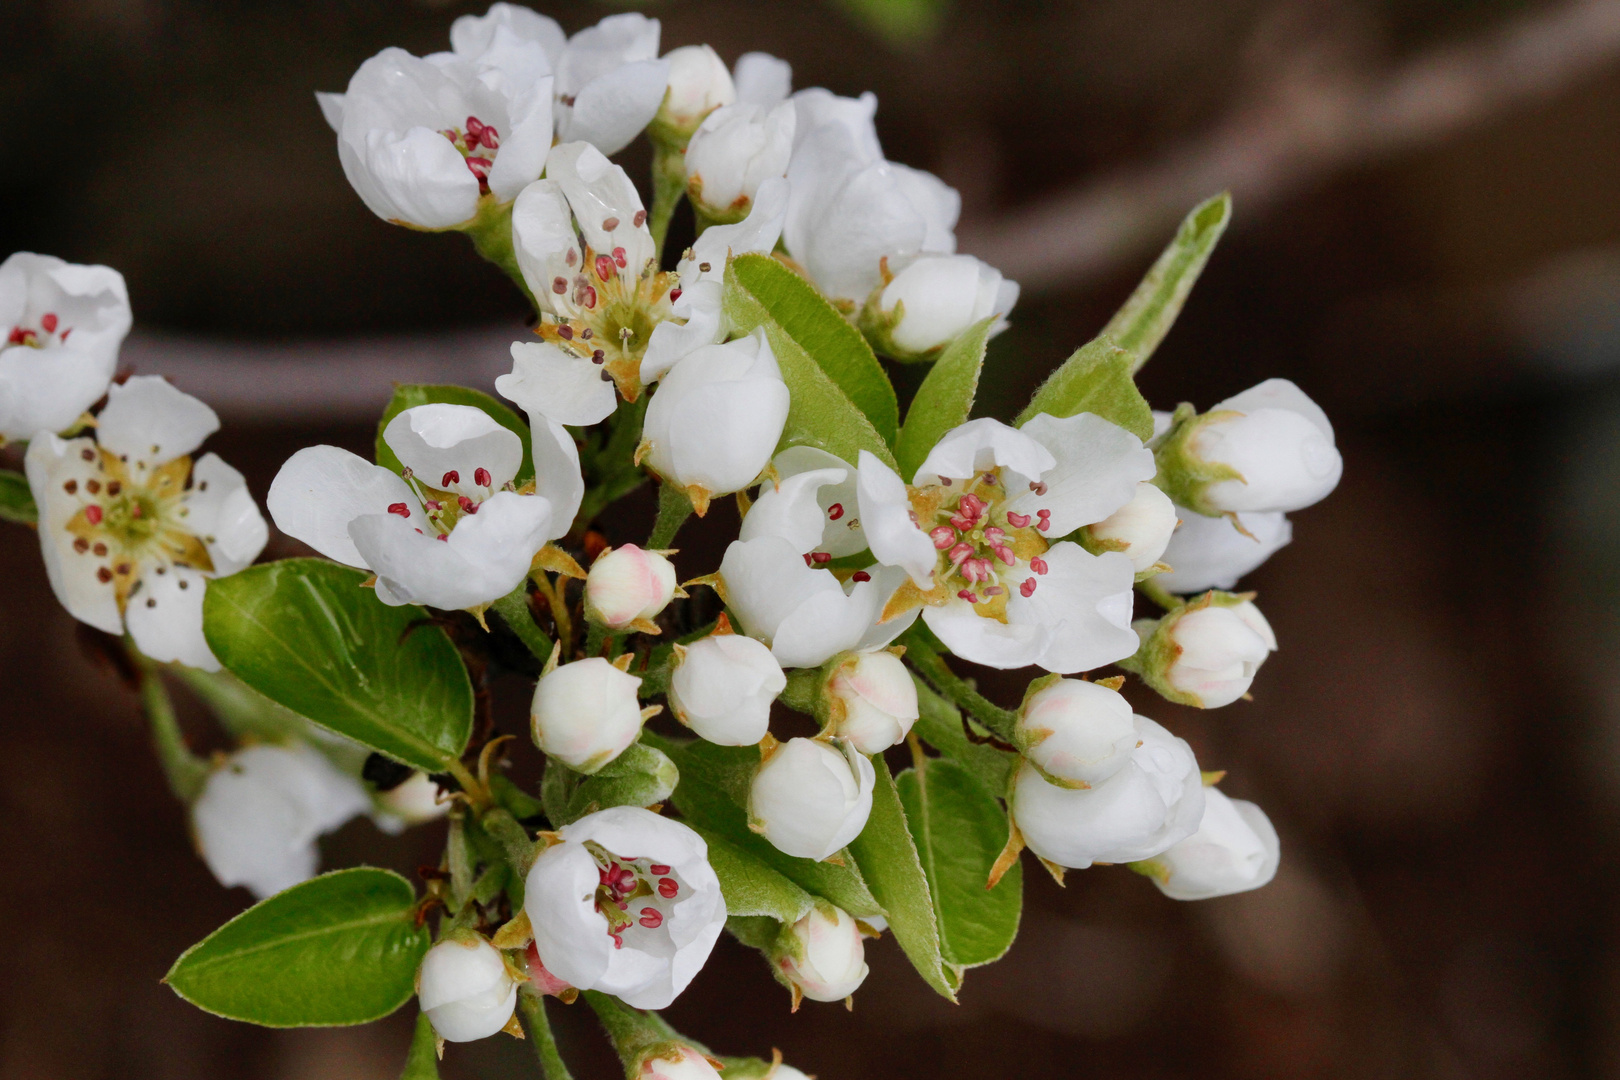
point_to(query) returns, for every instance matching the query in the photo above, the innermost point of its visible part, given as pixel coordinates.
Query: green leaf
(1147, 316)
(422, 1063)
(339, 949)
(305, 634)
(888, 860)
(713, 795)
(1096, 379)
(16, 500)
(641, 776)
(939, 724)
(842, 401)
(960, 831)
(750, 885)
(945, 397)
(410, 395)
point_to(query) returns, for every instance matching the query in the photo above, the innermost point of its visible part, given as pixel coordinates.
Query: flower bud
(871, 701)
(414, 802)
(628, 586)
(465, 989)
(1076, 733)
(585, 713)
(932, 300)
(1205, 654)
(822, 955)
(1214, 553)
(1234, 850)
(810, 797)
(698, 84)
(1269, 449)
(1141, 528)
(678, 1063)
(737, 149)
(716, 418)
(1155, 800)
(723, 686)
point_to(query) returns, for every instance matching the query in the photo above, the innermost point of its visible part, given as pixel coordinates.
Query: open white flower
(60, 328)
(627, 904)
(464, 988)
(811, 797)
(698, 84)
(131, 530)
(261, 810)
(609, 79)
(1215, 552)
(813, 505)
(1234, 850)
(974, 532)
(1153, 801)
(422, 139)
(451, 534)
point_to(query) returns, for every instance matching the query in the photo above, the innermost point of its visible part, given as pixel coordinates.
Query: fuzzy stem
(185, 771)
(633, 1032)
(927, 660)
(513, 608)
(533, 1008)
(1159, 594)
(669, 188)
(673, 510)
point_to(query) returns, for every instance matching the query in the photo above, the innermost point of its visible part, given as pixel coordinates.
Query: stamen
(835, 511)
(819, 557)
(1038, 565)
(994, 590)
(1037, 487)
(960, 552)
(399, 508)
(48, 321)
(640, 219)
(1017, 521)
(609, 224)
(443, 536)
(807, 561)
(1027, 589)
(619, 258)
(451, 477)
(651, 918)
(565, 332)
(598, 356)
(674, 295)
(860, 575)
(560, 285)
(467, 505)
(656, 869)
(71, 486)
(605, 268)
(1004, 553)
(943, 536)
(965, 594)
(92, 513)
(667, 888)
(481, 477)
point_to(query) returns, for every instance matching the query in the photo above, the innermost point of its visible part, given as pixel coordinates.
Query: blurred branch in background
(1314, 117)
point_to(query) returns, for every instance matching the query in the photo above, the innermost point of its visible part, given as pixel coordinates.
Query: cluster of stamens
(442, 507)
(835, 512)
(475, 137)
(977, 539)
(37, 339)
(624, 882)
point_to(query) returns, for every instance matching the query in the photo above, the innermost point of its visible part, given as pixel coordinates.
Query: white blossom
(715, 419)
(60, 328)
(935, 298)
(812, 505)
(451, 534)
(811, 797)
(1279, 442)
(735, 150)
(973, 533)
(629, 586)
(647, 951)
(762, 79)
(1141, 529)
(1155, 800)
(824, 956)
(1078, 734)
(1216, 552)
(698, 84)
(262, 808)
(417, 801)
(131, 530)
(585, 713)
(722, 688)
(872, 701)
(464, 988)
(1217, 651)
(1234, 850)
(679, 1063)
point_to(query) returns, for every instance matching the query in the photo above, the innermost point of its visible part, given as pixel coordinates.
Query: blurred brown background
(1427, 239)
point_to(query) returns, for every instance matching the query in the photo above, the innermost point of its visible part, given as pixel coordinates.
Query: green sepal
(16, 499)
(410, 395)
(1146, 317)
(641, 776)
(752, 887)
(1183, 475)
(422, 1062)
(1158, 651)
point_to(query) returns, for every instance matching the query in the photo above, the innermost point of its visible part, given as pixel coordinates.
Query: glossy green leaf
(305, 634)
(16, 500)
(1151, 310)
(410, 395)
(888, 860)
(339, 949)
(939, 724)
(750, 885)
(713, 795)
(422, 1063)
(842, 401)
(1096, 379)
(945, 397)
(960, 829)
(641, 776)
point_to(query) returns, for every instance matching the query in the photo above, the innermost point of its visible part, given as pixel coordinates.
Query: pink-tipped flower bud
(870, 700)
(811, 797)
(465, 988)
(822, 955)
(628, 586)
(1206, 653)
(723, 687)
(678, 1063)
(1234, 850)
(585, 713)
(1076, 733)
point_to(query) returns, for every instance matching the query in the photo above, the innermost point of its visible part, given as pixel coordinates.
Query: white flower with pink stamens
(60, 329)
(978, 533)
(625, 903)
(452, 532)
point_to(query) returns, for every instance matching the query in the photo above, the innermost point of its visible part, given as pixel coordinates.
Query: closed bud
(1076, 733)
(465, 988)
(417, 801)
(737, 149)
(585, 713)
(1141, 528)
(698, 84)
(677, 1063)
(1234, 850)
(1205, 654)
(931, 301)
(628, 586)
(822, 955)
(811, 797)
(1214, 553)
(1269, 449)
(870, 700)
(1155, 800)
(723, 686)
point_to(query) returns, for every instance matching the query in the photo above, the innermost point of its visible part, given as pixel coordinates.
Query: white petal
(602, 49)
(556, 473)
(548, 381)
(526, 143)
(886, 514)
(604, 201)
(980, 445)
(1210, 553)
(759, 231)
(935, 201)
(51, 463)
(570, 935)
(987, 641)
(1085, 601)
(611, 110)
(761, 79)
(791, 509)
(439, 441)
(165, 618)
(221, 510)
(867, 218)
(1279, 394)
(331, 109)
(1098, 465)
(885, 581)
(153, 422)
(766, 580)
(671, 341)
(545, 245)
(841, 529)
(471, 35)
(416, 177)
(487, 555)
(851, 117)
(322, 488)
(717, 416)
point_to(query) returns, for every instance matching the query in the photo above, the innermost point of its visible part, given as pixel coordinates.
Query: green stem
(505, 830)
(927, 660)
(1159, 594)
(533, 1009)
(669, 188)
(673, 510)
(185, 771)
(611, 470)
(514, 610)
(633, 1032)
(422, 1063)
(803, 690)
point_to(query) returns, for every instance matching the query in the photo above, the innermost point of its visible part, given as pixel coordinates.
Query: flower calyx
(1183, 474)
(1204, 653)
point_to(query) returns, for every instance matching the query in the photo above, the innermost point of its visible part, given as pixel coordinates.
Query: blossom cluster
(865, 554)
